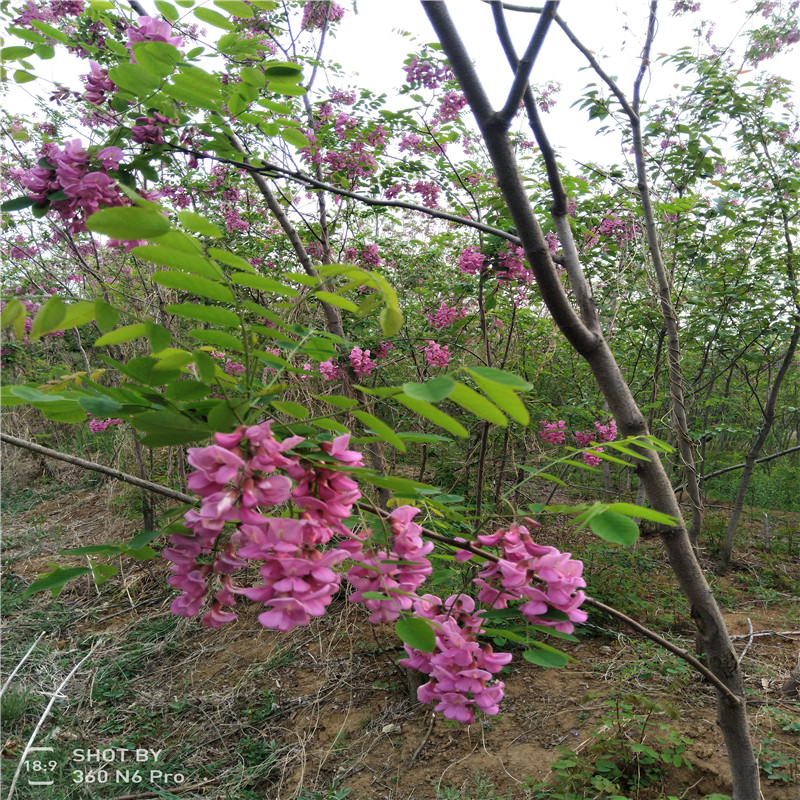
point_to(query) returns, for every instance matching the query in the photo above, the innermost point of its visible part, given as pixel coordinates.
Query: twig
(749, 639)
(17, 668)
(44, 716)
(423, 742)
(759, 634)
(114, 473)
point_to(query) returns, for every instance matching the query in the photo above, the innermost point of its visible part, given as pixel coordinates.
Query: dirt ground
(332, 709)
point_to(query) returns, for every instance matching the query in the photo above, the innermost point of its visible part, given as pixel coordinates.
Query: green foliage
(627, 757)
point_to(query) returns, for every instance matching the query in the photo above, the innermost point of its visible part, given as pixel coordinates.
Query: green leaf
(431, 391)
(291, 409)
(206, 366)
(199, 224)
(214, 315)
(433, 414)
(295, 137)
(13, 310)
(143, 538)
(168, 11)
(49, 31)
(337, 400)
(417, 633)
(196, 87)
(545, 658)
(194, 285)
(170, 257)
(218, 339)
(17, 204)
(253, 76)
(235, 8)
(105, 314)
(92, 550)
(504, 397)
(470, 400)
(21, 76)
(15, 53)
(381, 428)
(328, 424)
(78, 314)
(158, 336)
(55, 580)
(157, 58)
(135, 79)
(391, 320)
(263, 284)
(48, 318)
(502, 377)
(336, 300)
(615, 528)
(231, 259)
(124, 334)
(214, 18)
(102, 407)
(127, 222)
(631, 510)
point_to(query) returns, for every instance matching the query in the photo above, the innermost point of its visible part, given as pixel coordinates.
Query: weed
(15, 705)
(482, 789)
(627, 756)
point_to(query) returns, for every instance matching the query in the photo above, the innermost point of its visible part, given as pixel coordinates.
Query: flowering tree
(281, 258)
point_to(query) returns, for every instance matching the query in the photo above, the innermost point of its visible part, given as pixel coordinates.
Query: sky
(375, 36)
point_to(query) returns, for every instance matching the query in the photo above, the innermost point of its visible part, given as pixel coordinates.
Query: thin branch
(90, 465)
(22, 661)
(740, 466)
(272, 170)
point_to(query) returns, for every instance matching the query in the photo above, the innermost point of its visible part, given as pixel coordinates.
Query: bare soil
(330, 706)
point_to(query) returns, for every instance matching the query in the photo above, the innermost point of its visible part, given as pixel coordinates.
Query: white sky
(370, 44)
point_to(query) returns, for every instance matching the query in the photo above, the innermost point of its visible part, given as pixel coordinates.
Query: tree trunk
(584, 334)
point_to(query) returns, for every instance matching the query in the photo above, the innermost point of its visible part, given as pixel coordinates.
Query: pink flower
(553, 432)
(147, 29)
(318, 13)
(437, 355)
(330, 371)
(471, 261)
(361, 362)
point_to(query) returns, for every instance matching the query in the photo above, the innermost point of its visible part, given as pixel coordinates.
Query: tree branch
(522, 71)
(90, 465)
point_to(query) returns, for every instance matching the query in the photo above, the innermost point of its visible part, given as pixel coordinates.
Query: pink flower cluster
(361, 362)
(430, 75)
(330, 371)
(397, 574)
(150, 130)
(84, 186)
(98, 84)
(445, 315)
(317, 13)
(513, 267)
(383, 350)
(471, 261)
(148, 29)
(437, 355)
(97, 425)
(603, 433)
(524, 563)
(235, 477)
(553, 432)
(249, 469)
(451, 106)
(460, 668)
